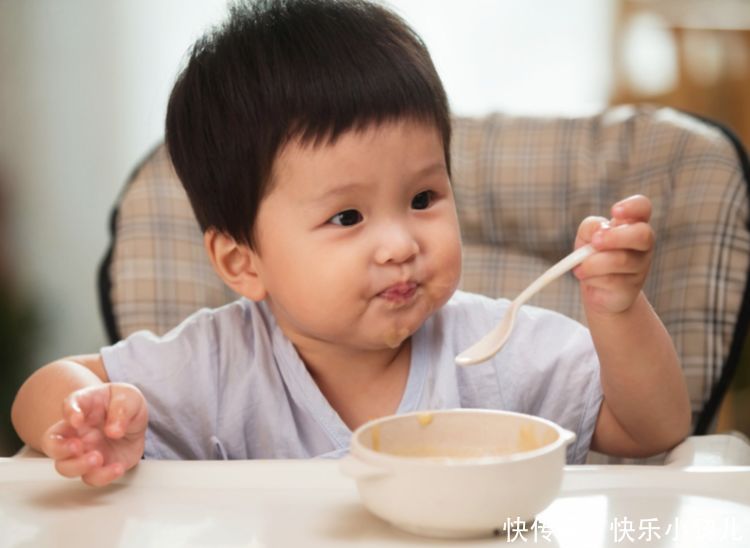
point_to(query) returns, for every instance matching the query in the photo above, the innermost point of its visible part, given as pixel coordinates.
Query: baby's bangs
(365, 76)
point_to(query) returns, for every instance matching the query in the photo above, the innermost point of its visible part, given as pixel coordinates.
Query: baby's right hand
(101, 435)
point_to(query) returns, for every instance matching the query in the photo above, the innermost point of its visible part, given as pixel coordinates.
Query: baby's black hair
(278, 70)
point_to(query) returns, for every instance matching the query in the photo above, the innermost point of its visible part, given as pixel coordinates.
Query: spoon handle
(555, 271)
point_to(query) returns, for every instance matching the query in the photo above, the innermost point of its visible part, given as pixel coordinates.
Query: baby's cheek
(440, 290)
(447, 276)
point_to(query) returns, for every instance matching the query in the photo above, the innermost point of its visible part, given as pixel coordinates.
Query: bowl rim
(359, 450)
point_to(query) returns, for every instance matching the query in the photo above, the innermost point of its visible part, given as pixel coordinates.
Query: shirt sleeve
(177, 374)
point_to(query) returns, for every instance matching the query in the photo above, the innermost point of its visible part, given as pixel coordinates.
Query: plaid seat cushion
(159, 272)
(522, 186)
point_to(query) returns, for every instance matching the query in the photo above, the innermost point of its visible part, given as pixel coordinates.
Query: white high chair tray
(310, 503)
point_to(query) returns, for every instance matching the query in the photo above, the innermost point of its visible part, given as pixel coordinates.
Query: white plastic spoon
(492, 342)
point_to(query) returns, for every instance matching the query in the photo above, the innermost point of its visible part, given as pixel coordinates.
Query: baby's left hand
(612, 279)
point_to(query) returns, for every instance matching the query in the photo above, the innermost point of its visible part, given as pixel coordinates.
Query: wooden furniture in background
(711, 47)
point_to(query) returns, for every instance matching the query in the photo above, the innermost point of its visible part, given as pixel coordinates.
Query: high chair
(522, 185)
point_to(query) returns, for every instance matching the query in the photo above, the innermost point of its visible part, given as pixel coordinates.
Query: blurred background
(84, 85)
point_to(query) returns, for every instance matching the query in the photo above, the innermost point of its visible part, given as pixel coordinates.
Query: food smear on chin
(394, 337)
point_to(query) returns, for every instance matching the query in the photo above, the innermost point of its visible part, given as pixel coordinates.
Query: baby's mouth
(400, 292)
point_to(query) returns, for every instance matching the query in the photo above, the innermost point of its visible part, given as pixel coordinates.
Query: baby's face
(359, 241)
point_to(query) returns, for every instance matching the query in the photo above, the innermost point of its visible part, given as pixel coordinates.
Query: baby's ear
(235, 263)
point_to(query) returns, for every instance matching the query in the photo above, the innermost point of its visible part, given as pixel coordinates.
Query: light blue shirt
(227, 383)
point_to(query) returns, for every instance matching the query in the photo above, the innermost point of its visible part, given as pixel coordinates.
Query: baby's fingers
(633, 237)
(104, 475)
(631, 210)
(588, 227)
(127, 413)
(79, 466)
(86, 406)
(61, 442)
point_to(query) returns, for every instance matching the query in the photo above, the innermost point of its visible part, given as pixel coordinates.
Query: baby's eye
(423, 200)
(348, 217)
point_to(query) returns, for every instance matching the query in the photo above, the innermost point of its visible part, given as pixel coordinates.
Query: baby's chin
(396, 337)
(394, 334)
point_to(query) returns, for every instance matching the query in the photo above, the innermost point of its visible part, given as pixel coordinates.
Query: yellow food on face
(393, 338)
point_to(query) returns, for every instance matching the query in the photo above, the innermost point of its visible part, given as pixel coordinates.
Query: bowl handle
(567, 436)
(357, 469)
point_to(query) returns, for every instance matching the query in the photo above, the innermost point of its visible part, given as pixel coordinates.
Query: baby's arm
(646, 409)
(91, 428)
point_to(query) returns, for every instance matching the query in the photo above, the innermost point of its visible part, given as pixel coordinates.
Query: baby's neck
(361, 386)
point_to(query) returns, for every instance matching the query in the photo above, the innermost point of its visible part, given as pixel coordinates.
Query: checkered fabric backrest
(522, 185)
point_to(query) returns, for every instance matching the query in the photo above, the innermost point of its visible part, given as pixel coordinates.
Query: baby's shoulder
(235, 315)
(207, 339)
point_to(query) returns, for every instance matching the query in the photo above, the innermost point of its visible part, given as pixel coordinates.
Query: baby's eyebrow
(341, 190)
(351, 187)
(431, 169)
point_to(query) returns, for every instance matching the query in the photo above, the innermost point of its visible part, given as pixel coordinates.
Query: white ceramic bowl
(457, 473)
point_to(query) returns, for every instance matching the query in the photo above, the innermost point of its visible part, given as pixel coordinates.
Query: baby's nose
(396, 244)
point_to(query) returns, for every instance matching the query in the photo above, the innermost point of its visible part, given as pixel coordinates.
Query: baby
(312, 138)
